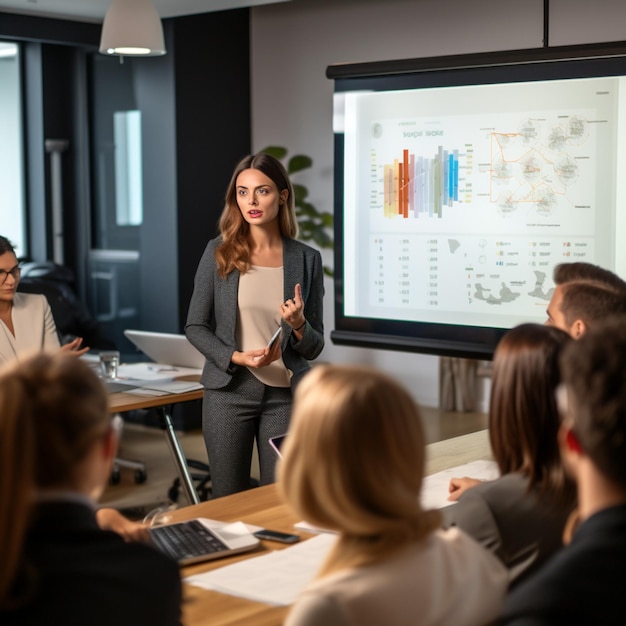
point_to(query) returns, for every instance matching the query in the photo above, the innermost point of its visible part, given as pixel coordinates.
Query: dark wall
(213, 129)
(60, 66)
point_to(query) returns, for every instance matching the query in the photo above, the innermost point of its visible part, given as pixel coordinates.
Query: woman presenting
(252, 279)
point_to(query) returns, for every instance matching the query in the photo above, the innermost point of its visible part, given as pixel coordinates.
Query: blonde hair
(53, 408)
(234, 250)
(354, 462)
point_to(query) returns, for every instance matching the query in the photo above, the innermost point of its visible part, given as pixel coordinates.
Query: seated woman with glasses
(26, 327)
(57, 443)
(26, 322)
(353, 462)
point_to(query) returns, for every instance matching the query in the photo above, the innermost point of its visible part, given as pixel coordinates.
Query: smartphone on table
(275, 535)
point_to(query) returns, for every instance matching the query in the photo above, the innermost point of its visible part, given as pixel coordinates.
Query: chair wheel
(140, 476)
(172, 493)
(115, 477)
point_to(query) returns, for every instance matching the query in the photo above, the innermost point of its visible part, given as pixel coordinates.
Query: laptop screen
(167, 348)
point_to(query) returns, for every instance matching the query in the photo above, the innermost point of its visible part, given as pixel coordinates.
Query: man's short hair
(594, 372)
(579, 270)
(590, 301)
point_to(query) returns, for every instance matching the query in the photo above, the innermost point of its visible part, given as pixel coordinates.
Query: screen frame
(582, 61)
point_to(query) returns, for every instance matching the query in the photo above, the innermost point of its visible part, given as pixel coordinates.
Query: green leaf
(298, 163)
(276, 151)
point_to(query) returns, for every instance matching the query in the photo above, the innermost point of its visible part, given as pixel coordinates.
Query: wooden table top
(263, 507)
(121, 402)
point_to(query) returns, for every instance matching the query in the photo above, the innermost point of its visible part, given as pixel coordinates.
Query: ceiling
(94, 10)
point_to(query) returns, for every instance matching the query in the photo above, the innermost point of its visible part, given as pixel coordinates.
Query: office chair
(202, 481)
(139, 467)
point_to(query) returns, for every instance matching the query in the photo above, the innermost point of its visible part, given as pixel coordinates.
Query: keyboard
(188, 541)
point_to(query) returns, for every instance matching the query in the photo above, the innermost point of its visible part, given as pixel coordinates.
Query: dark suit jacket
(79, 575)
(212, 317)
(584, 584)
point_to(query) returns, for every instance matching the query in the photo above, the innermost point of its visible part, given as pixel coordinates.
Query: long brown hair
(354, 462)
(234, 250)
(52, 410)
(523, 414)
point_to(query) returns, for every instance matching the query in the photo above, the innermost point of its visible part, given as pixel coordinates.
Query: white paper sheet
(435, 487)
(155, 379)
(153, 371)
(274, 578)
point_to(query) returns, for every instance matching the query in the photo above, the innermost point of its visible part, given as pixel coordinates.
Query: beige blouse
(258, 316)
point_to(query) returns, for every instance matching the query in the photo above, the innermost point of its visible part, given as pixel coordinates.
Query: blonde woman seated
(353, 463)
(57, 443)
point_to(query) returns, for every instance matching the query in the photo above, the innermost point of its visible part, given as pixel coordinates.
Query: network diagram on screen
(464, 198)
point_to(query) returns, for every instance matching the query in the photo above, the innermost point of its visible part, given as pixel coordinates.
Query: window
(12, 205)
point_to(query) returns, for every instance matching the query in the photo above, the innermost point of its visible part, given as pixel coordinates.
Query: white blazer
(34, 327)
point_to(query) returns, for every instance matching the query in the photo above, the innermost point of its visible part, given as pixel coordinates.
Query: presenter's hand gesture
(292, 311)
(458, 486)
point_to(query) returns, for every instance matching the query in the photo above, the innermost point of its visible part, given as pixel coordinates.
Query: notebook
(198, 540)
(167, 348)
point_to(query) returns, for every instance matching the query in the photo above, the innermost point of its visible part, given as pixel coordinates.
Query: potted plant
(314, 225)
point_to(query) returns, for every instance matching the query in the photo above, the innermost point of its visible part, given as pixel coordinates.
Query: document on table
(164, 387)
(275, 578)
(435, 487)
(157, 379)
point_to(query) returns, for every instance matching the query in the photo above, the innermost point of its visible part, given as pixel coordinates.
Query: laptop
(199, 540)
(168, 348)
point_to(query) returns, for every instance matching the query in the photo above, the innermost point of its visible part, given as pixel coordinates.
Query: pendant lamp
(132, 28)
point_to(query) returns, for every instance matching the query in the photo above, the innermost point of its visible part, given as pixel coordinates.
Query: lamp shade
(132, 28)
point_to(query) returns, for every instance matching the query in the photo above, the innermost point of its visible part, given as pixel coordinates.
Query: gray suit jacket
(212, 317)
(510, 521)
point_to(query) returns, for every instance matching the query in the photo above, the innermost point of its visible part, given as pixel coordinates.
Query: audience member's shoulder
(22, 299)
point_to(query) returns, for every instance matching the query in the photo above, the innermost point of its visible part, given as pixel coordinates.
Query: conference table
(122, 402)
(263, 507)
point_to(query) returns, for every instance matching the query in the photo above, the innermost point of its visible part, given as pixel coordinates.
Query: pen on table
(162, 369)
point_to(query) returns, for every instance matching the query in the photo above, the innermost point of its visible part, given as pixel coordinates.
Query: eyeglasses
(14, 271)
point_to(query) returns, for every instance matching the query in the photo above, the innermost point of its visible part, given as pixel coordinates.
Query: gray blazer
(515, 524)
(212, 317)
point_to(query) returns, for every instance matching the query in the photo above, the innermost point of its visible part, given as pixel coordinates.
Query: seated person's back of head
(580, 270)
(354, 463)
(579, 305)
(57, 442)
(584, 583)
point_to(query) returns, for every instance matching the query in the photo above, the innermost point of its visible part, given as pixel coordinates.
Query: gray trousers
(232, 417)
